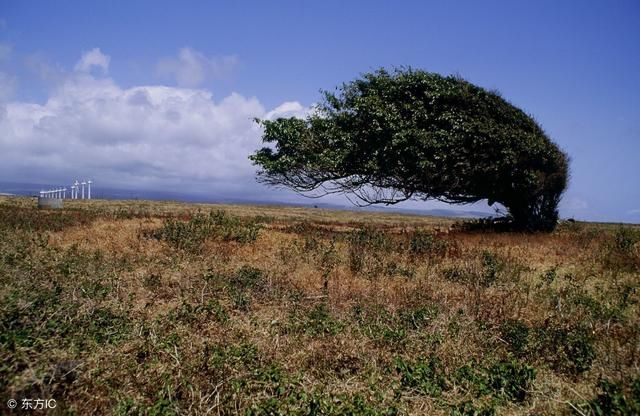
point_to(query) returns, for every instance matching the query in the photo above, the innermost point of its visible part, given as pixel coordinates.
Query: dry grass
(136, 307)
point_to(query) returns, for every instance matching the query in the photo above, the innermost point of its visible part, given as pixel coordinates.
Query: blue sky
(152, 93)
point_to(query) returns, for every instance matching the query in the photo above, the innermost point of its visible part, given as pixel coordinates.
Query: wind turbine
(76, 184)
(89, 182)
(83, 183)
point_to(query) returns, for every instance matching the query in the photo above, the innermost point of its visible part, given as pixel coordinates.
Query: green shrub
(316, 321)
(621, 252)
(190, 235)
(614, 398)
(300, 403)
(187, 313)
(491, 267)
(242, 283)
(423, 243)
(468, 408)
(550, 275)
(424, 376)
(568, 350)
(365, 246)
(511, 380)
(506, 380)
(417, 318)
(515, 334)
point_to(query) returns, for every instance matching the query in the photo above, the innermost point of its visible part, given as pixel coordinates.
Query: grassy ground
(121, 307)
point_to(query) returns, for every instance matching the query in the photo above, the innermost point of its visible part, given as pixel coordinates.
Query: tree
(409, 134)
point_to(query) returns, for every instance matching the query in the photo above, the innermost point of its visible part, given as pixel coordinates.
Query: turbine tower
(89, 182)
(83, 183)
(76, 184)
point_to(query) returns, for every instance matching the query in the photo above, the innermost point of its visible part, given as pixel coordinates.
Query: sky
(162, 95)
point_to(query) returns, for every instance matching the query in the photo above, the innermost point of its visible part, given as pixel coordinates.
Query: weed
(621, 252)
(424, 376)
(550, 275)
(506, 380)
(614, 398)
(417, 318)
(422, 243)
(569, 351)
(190, 235)
(317, 321)
(511, 379)
(189, 314)
(516, 335)
(317, 403)
(468, 408)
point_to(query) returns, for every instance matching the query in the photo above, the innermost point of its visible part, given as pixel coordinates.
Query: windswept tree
(408, 134)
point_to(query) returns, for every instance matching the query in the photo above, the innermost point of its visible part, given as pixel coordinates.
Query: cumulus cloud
(143, 136)
(288, 109)
(192, 68)
(91, 59)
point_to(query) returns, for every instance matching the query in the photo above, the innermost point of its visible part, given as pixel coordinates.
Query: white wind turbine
(83, 183)
(89, 182)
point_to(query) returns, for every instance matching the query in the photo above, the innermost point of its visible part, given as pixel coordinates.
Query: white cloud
(143, 136)
(288, 109)
(192, 68)
(93, 58)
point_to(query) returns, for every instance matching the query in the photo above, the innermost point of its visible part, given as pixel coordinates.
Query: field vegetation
(150, 308)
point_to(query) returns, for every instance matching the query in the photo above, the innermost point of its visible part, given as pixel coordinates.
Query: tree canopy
(409, 134)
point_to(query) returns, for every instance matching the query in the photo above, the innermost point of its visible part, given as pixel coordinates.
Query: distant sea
(99, 192)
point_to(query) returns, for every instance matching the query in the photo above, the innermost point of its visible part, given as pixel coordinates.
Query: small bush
(190, 235)
(516, 335)
(621, 252)
(297, 403)
(365, 246)
(569, 351)
(417, 318)
(242, 283)
(614, 399)
(424, 376)
(422, 243)
(511, 380)
(506, 380)
(317, 321)
(189, 314)
(468, 408)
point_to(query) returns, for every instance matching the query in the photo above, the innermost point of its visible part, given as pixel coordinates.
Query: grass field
(133, 307)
